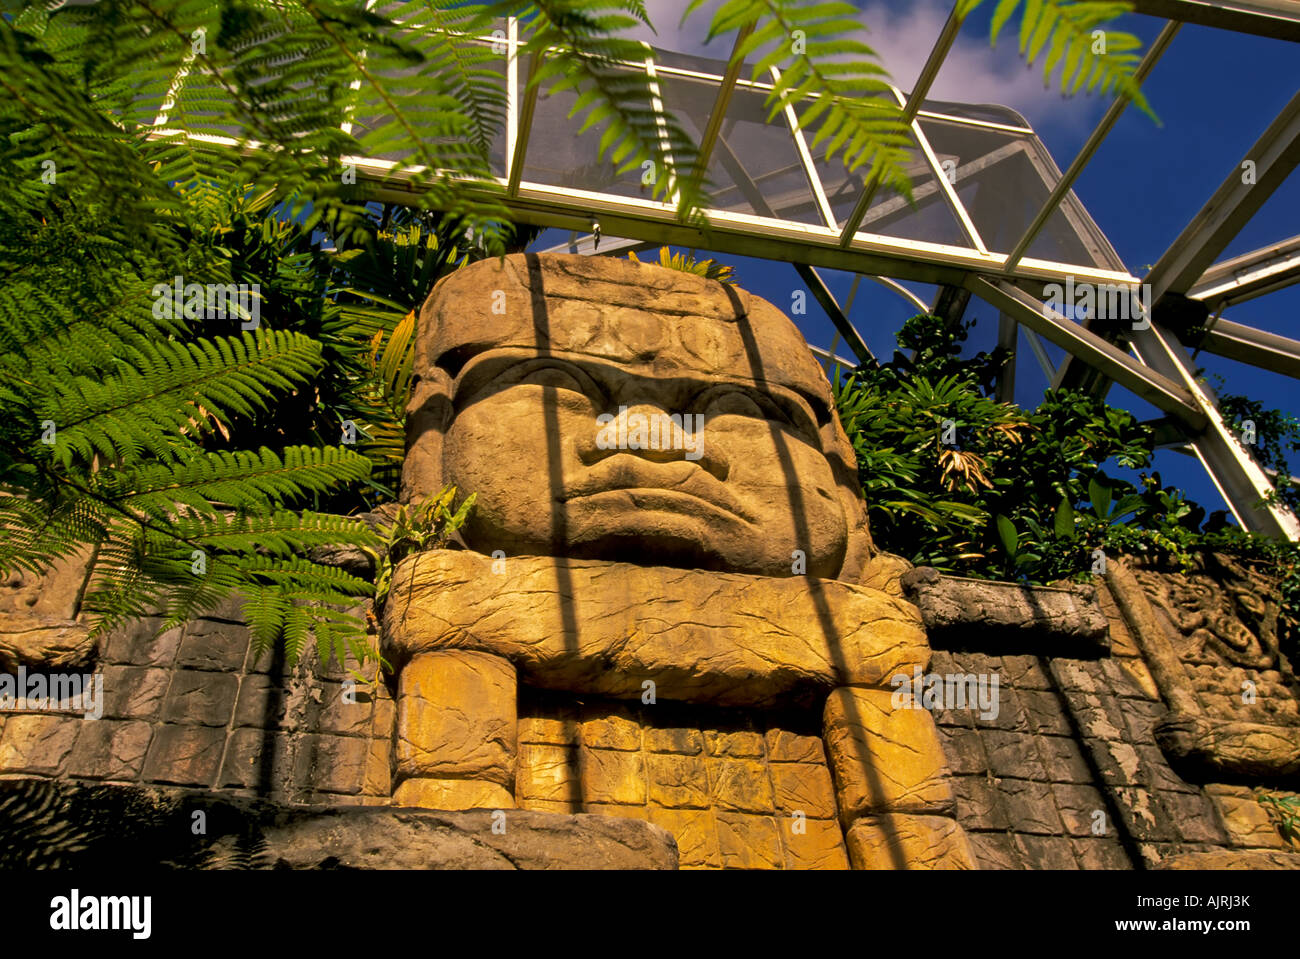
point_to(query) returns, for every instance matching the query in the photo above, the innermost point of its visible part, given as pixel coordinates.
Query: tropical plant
(216, 142)
(687, 263)
(1023, 494)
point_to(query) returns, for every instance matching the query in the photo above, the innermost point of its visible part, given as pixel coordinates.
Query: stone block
(812, 843)
(962, 750)
(1046, 713)
(344, 717)
(185, 755)
(257, 759)
(749, 842)
(39, 744)
(1247, 821)
(678, 782)
(744, 644)
(332, 764)
(787, 747)
(900, 841)
(1100, 854)
(212, 645)
(549, 731)
(612, 730)
(742, 744)
(674, 739)
(977, 803)
(805, 787)
(452, 794)
(547, 772)
(1063, 760)
(140, 644)
(612, 776)
(1030, 807)
(107, 749)
(696, 833)
(134, 692)
(884, 759)
(740, 785)
(1013, 755)
(1078, 806)
(994, 850)
(1045, 852)
(200, 698)
(456, 718)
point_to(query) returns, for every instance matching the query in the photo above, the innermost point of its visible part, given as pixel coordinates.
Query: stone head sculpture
(603, 409)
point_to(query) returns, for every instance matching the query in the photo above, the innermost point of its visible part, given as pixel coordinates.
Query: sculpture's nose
(653, 433)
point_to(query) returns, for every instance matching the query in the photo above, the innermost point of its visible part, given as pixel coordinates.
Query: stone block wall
(1068, 775)
(736, 792)
(1071, 774)
(197, 706)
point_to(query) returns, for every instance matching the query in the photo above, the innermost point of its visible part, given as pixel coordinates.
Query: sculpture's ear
(428, 417)
(844, 467)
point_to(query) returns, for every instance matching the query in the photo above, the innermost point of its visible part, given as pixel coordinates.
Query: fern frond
(835, 77)
(1071, 31)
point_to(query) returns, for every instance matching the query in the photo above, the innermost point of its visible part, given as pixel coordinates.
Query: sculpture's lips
(627, 473)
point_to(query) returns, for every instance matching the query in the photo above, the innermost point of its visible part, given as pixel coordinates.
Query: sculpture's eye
(554, 376)
(728, 401)
(485, 379)
(772, 407)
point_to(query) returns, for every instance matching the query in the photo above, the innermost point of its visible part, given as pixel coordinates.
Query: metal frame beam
(929, 72)
(822, 294)
(1085, 155)
(1159, 390)
(1274, 155)
(1268, 351)
(719, 112)
(1262, 18)
(1249, 275)
(1240, 480)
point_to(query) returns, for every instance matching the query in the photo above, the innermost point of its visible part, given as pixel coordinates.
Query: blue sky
(1214, 91)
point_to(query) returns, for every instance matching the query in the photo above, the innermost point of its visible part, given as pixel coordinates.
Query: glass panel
(985, 112)
(755, 167)
(890, 214)
(558, 156)
(1003, 179)
(372, 115)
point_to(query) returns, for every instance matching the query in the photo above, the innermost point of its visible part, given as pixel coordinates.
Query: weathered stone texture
(53, 824)
(747, 640)
(456, 718)
(884, 759)
(908, 842)
(1006, 617)
(735, 795)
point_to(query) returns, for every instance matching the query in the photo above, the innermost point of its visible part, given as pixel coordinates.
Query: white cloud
(903, 36)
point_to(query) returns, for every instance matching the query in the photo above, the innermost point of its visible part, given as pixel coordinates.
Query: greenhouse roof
(991, 215)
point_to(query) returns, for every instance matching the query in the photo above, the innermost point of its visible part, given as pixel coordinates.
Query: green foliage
(414, 529)
(710, 269)
(1022, 495)
(205, 140)
(830, 74)
(1067, 30)
(1276, 434)
(1286, 810)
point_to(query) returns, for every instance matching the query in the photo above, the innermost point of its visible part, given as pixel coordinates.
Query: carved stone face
(544, 418)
